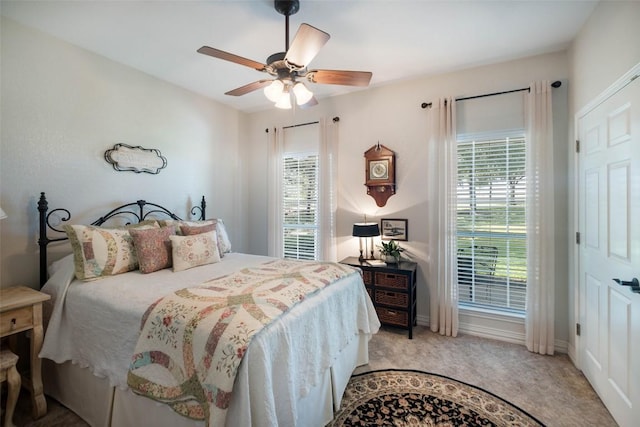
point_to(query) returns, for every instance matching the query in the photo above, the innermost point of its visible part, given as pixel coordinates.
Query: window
(491, 229)
(300, 200)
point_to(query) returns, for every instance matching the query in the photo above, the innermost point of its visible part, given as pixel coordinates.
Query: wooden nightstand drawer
(395, 299)
(391, 280)
(393, 317)
(21, 310)
(16, 320)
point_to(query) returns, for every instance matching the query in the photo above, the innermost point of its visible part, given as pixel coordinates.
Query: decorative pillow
(101, 251)
(144, 224)
(195, 250)
(179, 223)
(190, 230)
(223, 237)
(153, 248)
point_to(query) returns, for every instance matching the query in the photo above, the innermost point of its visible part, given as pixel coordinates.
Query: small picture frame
(394, 229)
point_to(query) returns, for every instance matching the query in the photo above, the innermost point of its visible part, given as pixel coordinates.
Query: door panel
(609, 208)
(619, 211)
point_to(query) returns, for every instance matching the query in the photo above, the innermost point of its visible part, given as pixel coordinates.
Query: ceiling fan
(290, 68)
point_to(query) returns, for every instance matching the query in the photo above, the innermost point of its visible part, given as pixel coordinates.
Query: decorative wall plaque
(124, 157)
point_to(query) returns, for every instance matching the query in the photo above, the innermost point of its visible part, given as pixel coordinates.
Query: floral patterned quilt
(192, 341)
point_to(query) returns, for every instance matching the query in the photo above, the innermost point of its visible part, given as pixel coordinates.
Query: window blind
(300, 205)
(491, 231)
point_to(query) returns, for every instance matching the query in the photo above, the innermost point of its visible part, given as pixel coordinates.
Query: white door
(609, 220)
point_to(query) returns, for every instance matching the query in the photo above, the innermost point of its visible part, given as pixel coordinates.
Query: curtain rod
(301, 124)
(335, 120)
(555, 84)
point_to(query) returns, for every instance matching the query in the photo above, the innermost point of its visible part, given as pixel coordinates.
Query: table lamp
(366, 231)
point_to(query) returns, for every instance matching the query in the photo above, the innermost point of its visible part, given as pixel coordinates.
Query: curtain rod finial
(426, 105)
(556, 84)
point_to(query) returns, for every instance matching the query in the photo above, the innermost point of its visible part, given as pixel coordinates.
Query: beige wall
(392, 115)
(62, 107)
(606, 48)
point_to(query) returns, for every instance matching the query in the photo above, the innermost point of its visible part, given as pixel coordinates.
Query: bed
(293, 371)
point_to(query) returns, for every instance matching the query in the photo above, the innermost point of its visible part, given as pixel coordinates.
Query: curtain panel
(442, 275)
(539, 323)
(274, 178)
(328, 197)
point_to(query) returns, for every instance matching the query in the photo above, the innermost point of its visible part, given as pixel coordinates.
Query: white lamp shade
(273, 92)
(303, 95)
(3, 215)
(285, 101)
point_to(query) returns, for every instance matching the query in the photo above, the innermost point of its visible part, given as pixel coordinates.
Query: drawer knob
(13, 323)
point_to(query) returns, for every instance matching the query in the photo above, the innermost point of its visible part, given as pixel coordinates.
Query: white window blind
(491, 231)
(300, 205)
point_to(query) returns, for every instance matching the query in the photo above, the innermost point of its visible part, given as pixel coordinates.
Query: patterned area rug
(414, 398)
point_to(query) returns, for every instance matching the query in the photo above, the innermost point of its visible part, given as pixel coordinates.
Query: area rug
(415, 398)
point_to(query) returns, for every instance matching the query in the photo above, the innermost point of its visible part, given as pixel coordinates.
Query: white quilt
(96, 325)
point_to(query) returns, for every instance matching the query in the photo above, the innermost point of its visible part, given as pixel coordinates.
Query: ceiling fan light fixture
(274, 91)
(303, 95)
(285, 101)
(291, 64)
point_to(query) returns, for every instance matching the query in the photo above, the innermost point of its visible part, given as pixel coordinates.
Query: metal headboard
(143, 211)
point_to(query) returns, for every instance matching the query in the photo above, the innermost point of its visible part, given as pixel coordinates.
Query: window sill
(487, 312)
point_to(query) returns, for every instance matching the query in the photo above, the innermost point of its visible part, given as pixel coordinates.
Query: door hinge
(577, 237)
(577, 145)
(578, 329)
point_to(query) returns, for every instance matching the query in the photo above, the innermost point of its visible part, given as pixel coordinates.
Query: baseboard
(495, 327)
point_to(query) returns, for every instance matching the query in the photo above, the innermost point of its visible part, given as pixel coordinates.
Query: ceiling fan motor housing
(286, 7)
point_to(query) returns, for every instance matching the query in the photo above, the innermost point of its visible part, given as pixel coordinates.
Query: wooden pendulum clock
(380, 173)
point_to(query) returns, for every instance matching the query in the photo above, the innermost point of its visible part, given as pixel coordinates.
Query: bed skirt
(101, 405)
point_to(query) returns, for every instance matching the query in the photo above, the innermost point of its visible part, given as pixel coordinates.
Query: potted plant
(390, 251)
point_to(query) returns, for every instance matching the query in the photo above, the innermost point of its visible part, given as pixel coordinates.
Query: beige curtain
(328, 179)
(539, 324)
(274, 177)
(442, 275)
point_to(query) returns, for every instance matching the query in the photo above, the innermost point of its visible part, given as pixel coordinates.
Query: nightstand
(392, 289)
(20, 311)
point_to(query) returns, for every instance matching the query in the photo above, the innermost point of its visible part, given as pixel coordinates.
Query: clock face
(379, 169)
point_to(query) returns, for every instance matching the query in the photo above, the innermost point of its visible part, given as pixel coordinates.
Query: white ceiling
(394, 39)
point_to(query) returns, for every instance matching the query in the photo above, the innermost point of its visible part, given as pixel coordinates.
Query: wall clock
(380, 173)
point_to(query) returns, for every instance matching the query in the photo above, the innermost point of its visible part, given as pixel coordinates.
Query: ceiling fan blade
(310, 103)
(242, 90)
(338, 77)
(305, 46)
(221, 54)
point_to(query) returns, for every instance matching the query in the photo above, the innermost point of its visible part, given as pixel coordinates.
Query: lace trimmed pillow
(99, 251)
(195, 250)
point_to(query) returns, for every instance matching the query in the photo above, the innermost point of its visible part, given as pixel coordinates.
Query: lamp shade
(303, 95)
(284, 102)
(366, 229)
(274, 91)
